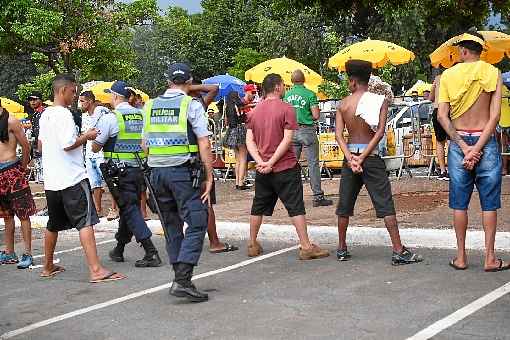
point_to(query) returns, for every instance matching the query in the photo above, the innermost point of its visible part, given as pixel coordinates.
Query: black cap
(178, 72)
(119, 87)
(35, 95)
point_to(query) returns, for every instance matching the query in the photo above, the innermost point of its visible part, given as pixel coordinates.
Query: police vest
(167, 130)
(129, 139)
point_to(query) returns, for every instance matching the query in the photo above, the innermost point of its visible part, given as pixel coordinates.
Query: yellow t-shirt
(462, 84)
(504, 120)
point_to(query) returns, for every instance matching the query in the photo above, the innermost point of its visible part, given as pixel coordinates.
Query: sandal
(113, 276)
(500, 268)
(226, 248)
(54, 271)
(454, 266)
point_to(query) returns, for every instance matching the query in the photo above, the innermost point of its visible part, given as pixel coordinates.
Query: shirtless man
(363, 166)
(15, 196)
(205, 93)
(473, 156)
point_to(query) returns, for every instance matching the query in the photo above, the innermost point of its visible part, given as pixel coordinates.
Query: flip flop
(56, 270)
(500, 268)
(227, 248)
(454, 266)
(113, 276)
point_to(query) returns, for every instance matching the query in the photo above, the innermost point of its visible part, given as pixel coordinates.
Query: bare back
(478, 115)
(8, 149)
(359, 131)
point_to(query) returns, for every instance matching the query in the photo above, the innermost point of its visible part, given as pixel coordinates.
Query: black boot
(151, 258)
(183, 287)
(117, 253)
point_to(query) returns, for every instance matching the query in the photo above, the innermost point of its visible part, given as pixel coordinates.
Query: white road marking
(135, 295)
(462, 313)
(74, 249)
(55, 261)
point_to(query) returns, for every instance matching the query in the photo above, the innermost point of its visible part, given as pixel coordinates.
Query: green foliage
(91, 38)
(113, 39)
(41, 83)
(334, 90)
(245, 59)
(14, 72)
(386, 73)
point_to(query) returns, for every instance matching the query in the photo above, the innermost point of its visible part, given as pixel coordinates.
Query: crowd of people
(164, 146)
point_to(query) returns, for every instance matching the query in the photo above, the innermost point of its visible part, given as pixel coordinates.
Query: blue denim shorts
(486, 176)
(94, 173)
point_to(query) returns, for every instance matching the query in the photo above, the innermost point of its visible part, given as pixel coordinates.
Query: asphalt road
(278, 297)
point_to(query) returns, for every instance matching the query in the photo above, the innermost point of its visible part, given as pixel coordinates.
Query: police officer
(120, 138)
(176, 140)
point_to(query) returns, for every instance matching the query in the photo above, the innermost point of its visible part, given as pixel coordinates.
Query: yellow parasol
(15, 109)
(11, 105)
(419, 87)
(497, 44)
(378, 52)
(98, 87)
(284, 67)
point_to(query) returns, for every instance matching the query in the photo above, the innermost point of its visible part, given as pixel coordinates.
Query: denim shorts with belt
(486, 175)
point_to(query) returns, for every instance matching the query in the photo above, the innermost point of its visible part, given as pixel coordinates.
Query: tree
(14, 72)
(88, 36)
(245, 59)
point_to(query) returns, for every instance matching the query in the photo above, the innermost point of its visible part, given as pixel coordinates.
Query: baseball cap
(35, 95)
(178, 71)
(120, 88)
(250, 88)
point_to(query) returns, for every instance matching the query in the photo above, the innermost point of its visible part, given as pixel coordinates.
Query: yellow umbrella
(378, 52)
(12, 106)
(98, 87)
(284, 67)
(419, 87)
(497, 44)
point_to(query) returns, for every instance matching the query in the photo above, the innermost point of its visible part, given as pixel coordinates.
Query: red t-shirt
(267, 122)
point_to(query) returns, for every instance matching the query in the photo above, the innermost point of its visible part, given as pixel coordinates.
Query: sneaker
(405, 257)
(9, 258)
(2, 256)
(254, 249)
(315, 253)
(343, 255)
(112, 215)
(322, 202)
(26, 261)
(444, 176)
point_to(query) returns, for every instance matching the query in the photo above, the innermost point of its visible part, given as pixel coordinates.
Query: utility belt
(197, 171)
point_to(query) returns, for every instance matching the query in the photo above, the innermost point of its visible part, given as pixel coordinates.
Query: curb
(363, 236)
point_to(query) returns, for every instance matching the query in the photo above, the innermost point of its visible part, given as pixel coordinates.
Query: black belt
(305, 125)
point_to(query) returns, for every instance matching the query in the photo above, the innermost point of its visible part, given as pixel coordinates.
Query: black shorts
(441, 134)
(375, 179)
(70, 208)
(285, 185)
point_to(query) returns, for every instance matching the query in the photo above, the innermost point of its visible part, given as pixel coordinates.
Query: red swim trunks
(15, 195)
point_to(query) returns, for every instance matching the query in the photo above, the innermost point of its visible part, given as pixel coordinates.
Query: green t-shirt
(302, 99)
